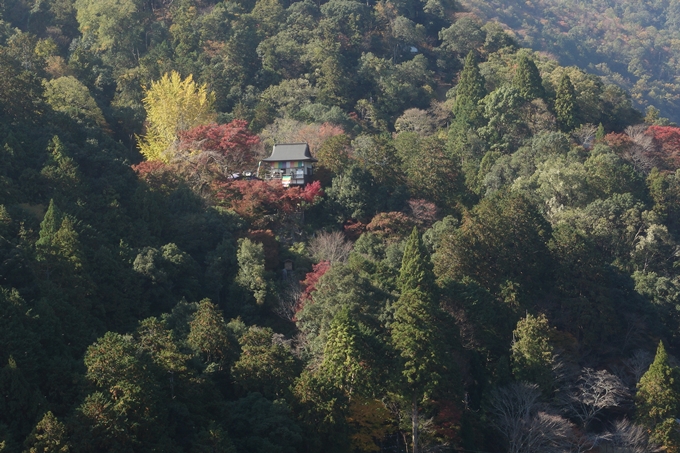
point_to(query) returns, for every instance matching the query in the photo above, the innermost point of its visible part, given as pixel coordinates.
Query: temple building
(292, 163)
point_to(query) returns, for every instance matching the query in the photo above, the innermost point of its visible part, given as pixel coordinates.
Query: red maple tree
(264, 203)
(667, 141)
(231, 145)
(311, 280)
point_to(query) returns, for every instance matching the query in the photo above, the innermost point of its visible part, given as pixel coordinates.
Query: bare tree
(627, 437)
(531, 427)
(639, 137)
(333, 247)
(548, 433)
(593, 392)
(638, 363)
(516, 415)
(641, 150)
(288, 301)
(511, 407)
(585, 135)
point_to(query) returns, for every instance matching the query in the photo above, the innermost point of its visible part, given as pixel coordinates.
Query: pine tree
(600, 133)
(416, 334)
(469, 91)
(658, 401)
(528, 80)
(565, 104)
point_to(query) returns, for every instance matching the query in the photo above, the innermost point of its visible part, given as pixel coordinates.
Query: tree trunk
(414, 424)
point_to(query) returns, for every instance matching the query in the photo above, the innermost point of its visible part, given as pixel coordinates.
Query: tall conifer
(469, 91)
(565, 104)
(658, 401)
(49, 225)
(528, 80)
(416, 268)
(415, 332)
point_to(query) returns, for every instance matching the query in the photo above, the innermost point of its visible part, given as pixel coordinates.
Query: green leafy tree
(334, 154)
(252, 276)
(20, 401)
(156, 339)
(565, 104)
(213, 439)
(126, 410)
(505, 128)
(61, 172)
(20, 90)
(115, 26)
(657, 401)
(431, 172)
(257, 425)
(340, 287)
(49, 226)
(68, 95)
(63, 260)
(416, 267)
(352, 193)
(504, 238)
(266, 365)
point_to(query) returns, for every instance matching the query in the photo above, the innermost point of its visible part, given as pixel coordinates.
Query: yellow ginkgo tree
(173, 105)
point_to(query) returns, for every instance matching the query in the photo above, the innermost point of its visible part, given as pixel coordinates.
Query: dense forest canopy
(486, 259)
(633, 44)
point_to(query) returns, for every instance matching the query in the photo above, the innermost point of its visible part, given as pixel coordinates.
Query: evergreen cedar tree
(658, 401)
(565, 104)
(415, 331)
(469, 91)
(528, 80)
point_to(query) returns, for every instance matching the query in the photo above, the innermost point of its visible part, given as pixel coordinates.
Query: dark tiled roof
(290, 151)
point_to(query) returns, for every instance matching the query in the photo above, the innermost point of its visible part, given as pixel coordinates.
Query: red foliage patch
(148, 167)
(447, 420)
(391, 225)
(667, 141)
(157, 175)
(618, 141)
(224, 138)
(353, 229)
(262, 202)
(311, 279)
(423, 212)
(315, 135)
(232, 142)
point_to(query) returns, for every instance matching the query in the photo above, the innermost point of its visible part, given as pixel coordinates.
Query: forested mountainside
(486, 260)
(633, 44)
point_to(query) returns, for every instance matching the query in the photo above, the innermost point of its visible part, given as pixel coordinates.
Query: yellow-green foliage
(173, 105)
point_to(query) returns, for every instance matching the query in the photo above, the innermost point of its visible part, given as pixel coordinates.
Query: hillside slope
(635, 44)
